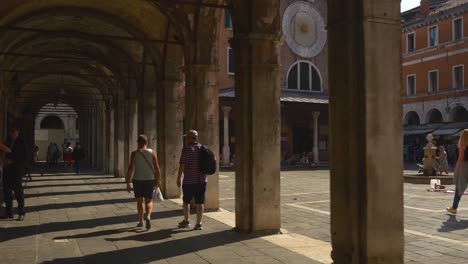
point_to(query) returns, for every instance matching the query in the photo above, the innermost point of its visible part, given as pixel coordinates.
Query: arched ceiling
(85, 50)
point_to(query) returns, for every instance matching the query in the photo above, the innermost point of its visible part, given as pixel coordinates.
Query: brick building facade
(434, 64)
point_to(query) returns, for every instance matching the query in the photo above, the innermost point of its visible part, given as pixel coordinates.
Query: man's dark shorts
(143, 189)
(194, 190)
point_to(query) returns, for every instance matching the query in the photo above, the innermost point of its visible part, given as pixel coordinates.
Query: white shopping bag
(158, 196)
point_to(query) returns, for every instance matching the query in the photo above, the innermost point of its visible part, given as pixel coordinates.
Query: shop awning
(417, 132)
(450, 129)
(287, 96)
(421, 129)
(445, 132)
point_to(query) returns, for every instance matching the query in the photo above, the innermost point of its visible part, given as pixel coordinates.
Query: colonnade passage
(149, 66)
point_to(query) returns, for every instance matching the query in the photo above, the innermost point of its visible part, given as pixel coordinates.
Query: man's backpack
(207, 161)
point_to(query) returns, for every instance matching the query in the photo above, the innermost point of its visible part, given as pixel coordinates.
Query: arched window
(52, 122)
(459, 114)
(434, 116)
(303, 76)
(412, 119)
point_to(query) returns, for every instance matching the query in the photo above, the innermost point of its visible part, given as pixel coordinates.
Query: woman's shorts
(143, 189)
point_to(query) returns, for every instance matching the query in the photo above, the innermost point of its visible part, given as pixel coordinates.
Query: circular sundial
(304, 29)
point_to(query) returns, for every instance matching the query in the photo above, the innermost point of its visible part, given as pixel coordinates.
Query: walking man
(193, 181)
(14, 170)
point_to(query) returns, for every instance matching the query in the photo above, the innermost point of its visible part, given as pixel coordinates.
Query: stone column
(202, 114)
(94, 131)
(110, 140)
(226, 148)
(258, 127)
(148, 118)
(316, 136)
(131, 106)
(365, 131)
(119, 140)
(170, 98)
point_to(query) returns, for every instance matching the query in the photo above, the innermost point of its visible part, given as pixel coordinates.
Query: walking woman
(144, 174)
(461, 172)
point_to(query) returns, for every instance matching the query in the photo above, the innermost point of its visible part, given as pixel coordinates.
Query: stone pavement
(431, 235)
(91, 219)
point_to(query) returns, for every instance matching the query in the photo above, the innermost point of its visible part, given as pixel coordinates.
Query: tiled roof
(287, 96)
(437, 7)
(448, 5)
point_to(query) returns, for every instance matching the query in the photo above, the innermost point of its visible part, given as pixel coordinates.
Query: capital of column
(226, 110)
(316, 115)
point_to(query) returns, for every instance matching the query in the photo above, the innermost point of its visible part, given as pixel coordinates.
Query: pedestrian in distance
(144, 174)
(461, 172)
(68, 157)
(443, 161)
(78, 155)
(194, 180)
(51, 154)
(14, 169)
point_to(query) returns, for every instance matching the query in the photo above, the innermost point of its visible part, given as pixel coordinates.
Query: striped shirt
(190, 158)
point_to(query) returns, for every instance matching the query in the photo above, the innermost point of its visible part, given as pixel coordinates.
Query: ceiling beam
(70, 33)
(68, 73)
(60, 57)
(185, 2)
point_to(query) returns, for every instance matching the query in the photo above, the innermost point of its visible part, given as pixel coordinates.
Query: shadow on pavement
(68, 178)
(453, 224)
(11, 233)
(73, 184)
(160, 251)
(74, 205)
(34, 195)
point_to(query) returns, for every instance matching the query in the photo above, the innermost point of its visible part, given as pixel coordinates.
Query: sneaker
(198, 227)
(148, 224)
(184, 224)
(451, 210)
(20, 218)
(140, 224)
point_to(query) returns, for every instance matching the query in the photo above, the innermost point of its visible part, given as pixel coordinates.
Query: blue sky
(408, 4)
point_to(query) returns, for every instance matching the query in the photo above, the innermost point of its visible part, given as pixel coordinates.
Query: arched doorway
(52, 122)
(55, 123)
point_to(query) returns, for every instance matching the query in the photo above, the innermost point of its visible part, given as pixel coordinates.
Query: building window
(433, 36)
(230, 58)
(410, 42)
(305, 77)
(458, 77)
(227, 19)
(433, 81)
(458, 29)
(411, 84)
